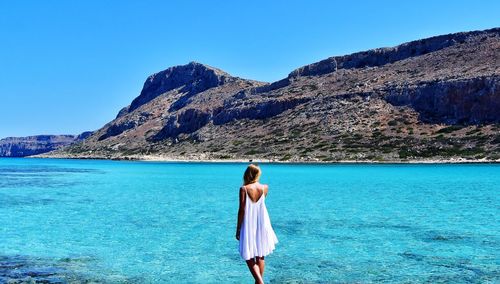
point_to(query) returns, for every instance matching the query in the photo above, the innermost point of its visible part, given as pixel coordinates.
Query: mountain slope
(430, 98)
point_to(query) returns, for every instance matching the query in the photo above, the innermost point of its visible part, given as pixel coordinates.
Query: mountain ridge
(37, 144)
(400, 96)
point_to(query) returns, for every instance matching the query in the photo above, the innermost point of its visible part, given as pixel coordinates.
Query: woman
(254, 230)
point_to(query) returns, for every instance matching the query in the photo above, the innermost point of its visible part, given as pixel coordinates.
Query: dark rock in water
(38, 272)
(466, 272)
(412, 256)
(22, 269)
(26, 269)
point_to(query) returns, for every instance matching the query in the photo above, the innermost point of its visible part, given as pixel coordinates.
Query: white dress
(257, 237)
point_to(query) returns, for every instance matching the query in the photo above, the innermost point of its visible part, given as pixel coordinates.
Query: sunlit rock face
(471, 101)
(434, 97)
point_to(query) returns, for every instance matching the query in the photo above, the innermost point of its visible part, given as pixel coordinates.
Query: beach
(203, 158)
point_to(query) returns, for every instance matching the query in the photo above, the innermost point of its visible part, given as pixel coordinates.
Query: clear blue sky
(69, 66)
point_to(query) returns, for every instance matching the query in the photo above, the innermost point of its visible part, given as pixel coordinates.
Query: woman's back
(256, 190)
(257, 237)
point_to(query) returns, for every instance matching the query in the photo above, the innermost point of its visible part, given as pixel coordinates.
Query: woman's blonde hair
(252, 174)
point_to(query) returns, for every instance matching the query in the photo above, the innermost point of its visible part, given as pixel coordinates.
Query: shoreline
(159, 158)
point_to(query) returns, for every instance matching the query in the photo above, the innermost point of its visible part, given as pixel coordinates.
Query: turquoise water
(144, 222)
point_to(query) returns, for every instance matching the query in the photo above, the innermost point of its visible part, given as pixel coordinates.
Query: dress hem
(266, 254)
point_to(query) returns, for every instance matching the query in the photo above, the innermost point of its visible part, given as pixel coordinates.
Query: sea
(102, 221)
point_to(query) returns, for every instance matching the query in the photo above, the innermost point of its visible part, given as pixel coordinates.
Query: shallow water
(144, 222)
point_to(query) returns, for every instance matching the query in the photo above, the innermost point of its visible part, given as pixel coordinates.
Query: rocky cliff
(33, 145)
(432, 98)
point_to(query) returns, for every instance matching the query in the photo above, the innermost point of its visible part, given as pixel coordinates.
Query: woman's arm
(241, 212)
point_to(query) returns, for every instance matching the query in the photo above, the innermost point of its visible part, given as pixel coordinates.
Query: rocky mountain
(33, 145)
(434, 98)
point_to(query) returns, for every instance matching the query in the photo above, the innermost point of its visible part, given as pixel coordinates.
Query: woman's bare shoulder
(265, 187)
